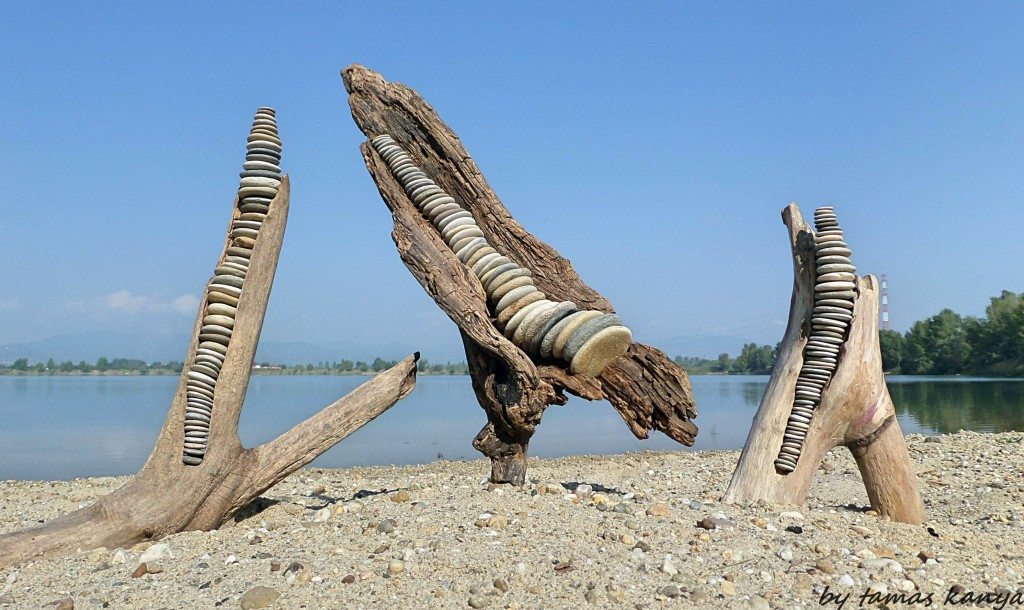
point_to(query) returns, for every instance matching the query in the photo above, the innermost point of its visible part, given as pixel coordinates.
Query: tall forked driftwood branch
(169, 496)
(648, 390)
(855, 409)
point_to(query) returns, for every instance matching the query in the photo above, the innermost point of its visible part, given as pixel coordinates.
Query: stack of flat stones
(589, 340)
(260, 180)
(834, 294)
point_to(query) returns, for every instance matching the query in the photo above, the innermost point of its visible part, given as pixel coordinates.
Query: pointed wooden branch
(648, 390)
(855, 408)
(168, 496)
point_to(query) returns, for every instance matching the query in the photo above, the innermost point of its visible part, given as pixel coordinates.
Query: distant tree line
(753, 360)
(129, 366)
(342, 367)
(102, 365)
(950, 344)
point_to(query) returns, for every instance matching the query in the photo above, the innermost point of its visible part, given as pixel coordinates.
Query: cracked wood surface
(647, 389)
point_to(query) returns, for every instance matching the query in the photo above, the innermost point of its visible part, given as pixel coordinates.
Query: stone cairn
(830, 322)
(589, 340)
(260, 179)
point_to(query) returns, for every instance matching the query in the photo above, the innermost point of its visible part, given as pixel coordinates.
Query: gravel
(615, 531)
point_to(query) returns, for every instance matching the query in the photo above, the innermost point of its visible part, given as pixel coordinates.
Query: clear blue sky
(654, 144)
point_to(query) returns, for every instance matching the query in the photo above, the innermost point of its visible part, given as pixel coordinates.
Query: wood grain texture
(648, 390)
(167, 496)
(854, 405)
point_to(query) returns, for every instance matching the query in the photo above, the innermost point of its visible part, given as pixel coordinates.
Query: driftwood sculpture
(199, 475)
(827, 388)
(648, 390)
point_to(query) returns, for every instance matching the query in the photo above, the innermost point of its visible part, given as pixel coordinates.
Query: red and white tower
(885, 303)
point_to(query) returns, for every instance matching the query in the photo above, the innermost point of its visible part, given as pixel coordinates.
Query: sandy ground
(597, 531)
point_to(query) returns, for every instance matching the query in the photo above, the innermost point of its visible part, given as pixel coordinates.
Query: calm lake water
(66, 427)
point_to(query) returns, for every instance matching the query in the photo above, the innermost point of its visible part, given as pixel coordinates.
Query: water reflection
(64, 427)
(947, 405)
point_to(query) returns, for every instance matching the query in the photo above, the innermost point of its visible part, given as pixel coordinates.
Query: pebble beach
(639, 530)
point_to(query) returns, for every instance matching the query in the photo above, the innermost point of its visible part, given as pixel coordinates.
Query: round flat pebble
(220, 297)
(214, 346)
(225, 321)
(432, 203)
(838, 294)
(486, 263)
(452, 213)
(462, 221)
(499, 292)
(500, 278)
(822, 259)
(600, 350)
(541, 343)
(442, 211)
(477, 255)
(585, 331)
(834, 286)
(844, 303)
(468, 250)
(491, 266)
(230, 270)
(513, 315)
(567, 327)
(836, 268)
(459, 237)
(512, 296)
(837, 276)
(257, 190)
(520, 332)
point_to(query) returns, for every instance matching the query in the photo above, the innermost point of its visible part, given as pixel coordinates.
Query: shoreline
(616, 531)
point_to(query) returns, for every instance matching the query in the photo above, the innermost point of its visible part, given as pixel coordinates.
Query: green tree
(891, 343)
(422, 365)
(724, 363)
(21, 364)
(379, 364)
(754, 360)
(102, 364)
(997, 341)
(346, 365)
(936, 346)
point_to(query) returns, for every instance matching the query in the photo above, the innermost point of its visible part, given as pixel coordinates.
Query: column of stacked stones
(588, 340)
(260, 179)
(830, 322)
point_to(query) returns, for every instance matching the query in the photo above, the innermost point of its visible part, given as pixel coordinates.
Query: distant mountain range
(163, 348)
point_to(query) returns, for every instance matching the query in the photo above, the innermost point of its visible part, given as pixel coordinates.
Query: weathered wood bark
(855, 409)
(167, 496)
(648, 390)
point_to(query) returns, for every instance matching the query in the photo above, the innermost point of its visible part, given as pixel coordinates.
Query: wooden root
(648, 390)
(855, 408)
(167, 496)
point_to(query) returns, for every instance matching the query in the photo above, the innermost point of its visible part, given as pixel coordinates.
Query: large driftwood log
(855, 409)
(168, 496)
(648, 390)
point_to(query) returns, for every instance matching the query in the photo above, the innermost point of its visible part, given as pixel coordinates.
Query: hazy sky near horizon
(654, 144)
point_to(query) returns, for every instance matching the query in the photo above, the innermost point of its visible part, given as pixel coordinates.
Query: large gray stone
(568, 327)
(587, 330)
(603, 348)
(544, 338)
(523, 308)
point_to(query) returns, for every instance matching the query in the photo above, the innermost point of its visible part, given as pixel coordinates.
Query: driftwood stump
(168, 496)
(648, 390)
(855, 409)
